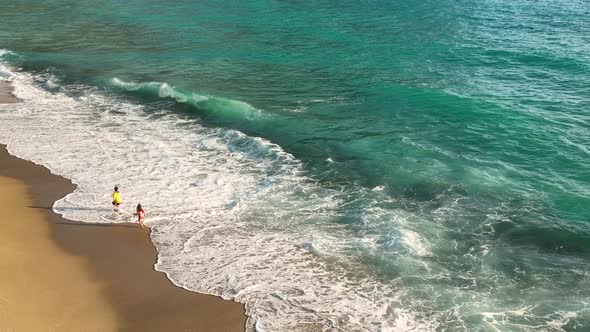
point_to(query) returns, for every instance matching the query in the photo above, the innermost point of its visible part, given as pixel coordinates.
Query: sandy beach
(6, 96)
(41, 286)
(60, 275)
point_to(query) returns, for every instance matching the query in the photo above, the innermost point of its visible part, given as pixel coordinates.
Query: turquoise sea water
(467, 123)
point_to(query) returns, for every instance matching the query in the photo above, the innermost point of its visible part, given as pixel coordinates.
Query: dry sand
(60, 275)
(41, 286)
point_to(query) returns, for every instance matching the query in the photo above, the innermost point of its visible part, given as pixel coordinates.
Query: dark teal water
(474, 116)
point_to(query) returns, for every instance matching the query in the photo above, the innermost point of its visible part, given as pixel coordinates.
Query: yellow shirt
(117, 197)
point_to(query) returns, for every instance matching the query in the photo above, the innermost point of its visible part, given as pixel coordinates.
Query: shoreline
(33, 294)
(6, 94)
(119, 258)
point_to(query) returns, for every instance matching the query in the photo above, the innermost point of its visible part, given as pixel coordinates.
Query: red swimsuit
(140, 214)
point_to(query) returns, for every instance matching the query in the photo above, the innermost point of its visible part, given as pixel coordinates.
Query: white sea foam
(210, 104)
(236, 216)
(5, 72)
(4, 52)
(231, 215)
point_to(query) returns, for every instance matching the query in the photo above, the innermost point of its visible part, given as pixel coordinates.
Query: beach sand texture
(6, 96)
(41, 286)
(60, 275)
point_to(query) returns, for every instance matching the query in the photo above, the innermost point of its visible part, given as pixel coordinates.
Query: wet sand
(41, 286)
(60, 275)
(6, 96)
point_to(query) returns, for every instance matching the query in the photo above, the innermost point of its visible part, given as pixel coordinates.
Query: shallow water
(334, 166)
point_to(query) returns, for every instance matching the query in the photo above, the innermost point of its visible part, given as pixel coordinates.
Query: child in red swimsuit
(140, 213)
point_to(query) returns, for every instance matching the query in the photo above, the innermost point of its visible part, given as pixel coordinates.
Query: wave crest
(222, 108)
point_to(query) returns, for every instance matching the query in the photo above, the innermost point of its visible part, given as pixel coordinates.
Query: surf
(207, 105)
(340, 166)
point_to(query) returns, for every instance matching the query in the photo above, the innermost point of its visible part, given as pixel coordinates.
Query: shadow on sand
(133, 225)
(70, 208)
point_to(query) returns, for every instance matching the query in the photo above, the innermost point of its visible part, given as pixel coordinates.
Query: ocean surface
(333, 165)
